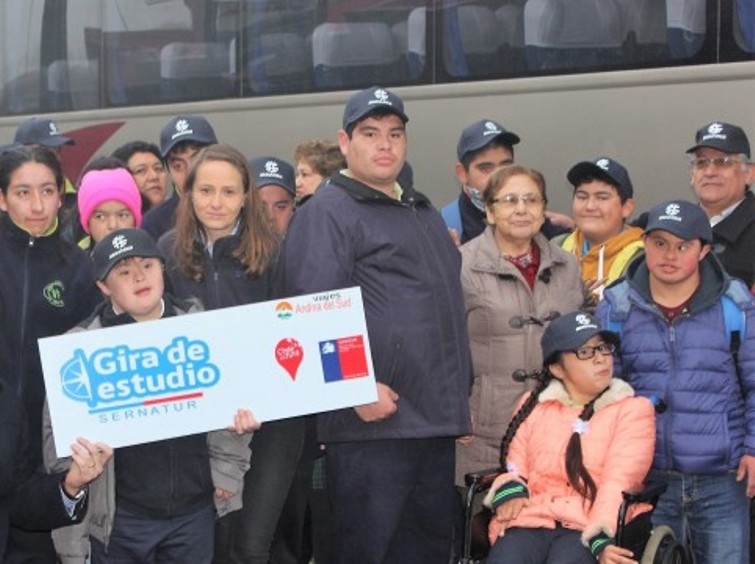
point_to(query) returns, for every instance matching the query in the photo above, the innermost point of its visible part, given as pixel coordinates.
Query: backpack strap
(735, 322)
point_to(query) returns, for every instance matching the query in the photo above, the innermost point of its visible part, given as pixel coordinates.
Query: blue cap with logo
(192, 128)
(41, 131)
(372, 100)
(606, 169)
(681, 218)
(723, 137)
(271, 170)
(119, 245)
(570, 331)
(481, 133)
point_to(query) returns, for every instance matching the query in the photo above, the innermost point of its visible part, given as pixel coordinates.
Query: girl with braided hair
(577, 441)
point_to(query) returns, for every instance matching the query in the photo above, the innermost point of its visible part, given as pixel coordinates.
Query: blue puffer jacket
(407, 266)
(709, 421)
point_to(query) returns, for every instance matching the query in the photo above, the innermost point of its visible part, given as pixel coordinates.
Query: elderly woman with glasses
(515, 283)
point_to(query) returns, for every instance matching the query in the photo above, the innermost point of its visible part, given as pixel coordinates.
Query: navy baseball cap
(681, 218)
(373, 99)
(570, 331)
(481, 133)
(605, 169)
(270, 170)
(722, 136)
(192, 128)
(119, 245)
(41, 131)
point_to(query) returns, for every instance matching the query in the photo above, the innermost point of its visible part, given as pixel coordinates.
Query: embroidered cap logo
(672, 209)
(715, 128)
(119, 242)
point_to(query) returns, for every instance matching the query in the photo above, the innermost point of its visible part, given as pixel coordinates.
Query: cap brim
(507, 138)
(382, 110)
(57, 141)
(579, 339)
(586, 169)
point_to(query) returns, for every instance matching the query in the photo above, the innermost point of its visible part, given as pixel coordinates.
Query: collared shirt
(718, 218)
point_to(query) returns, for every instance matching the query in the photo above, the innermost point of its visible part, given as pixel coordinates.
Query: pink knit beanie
(100, 186)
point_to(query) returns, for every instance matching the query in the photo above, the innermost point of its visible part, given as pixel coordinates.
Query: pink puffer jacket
(617, 450)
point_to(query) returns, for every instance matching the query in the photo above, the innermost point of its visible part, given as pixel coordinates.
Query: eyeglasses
(512, 200)
(587, 352)
(702, 163)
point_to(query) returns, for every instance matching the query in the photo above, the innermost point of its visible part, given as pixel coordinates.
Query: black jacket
(225, 283)
(46, 288)
(734, 241)
(408, 268)
(161, 219)
(27, 501)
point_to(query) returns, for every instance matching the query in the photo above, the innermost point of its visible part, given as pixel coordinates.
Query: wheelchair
(650, 545)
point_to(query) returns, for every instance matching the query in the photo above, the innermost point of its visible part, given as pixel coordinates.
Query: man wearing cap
(180, 141)
(677, 350)
(721, 173)
(275, 181)
(602, 242)
(390, 463)
(43, 132)
(484, 147)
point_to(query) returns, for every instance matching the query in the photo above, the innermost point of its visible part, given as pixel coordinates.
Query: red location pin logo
(289, 354)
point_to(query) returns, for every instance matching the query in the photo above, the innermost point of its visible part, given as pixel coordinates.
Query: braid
(579, 477)
(524, 412)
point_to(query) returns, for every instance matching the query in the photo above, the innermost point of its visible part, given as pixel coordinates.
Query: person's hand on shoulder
(383, 408)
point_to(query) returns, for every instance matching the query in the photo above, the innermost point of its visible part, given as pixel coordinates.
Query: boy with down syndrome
(577, 441)
(154, 501)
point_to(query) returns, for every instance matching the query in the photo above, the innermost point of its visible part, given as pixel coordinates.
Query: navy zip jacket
(225, 282)
(401, 256)
(46, 288)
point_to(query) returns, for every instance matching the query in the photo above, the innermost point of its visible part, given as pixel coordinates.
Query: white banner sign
(188, 374)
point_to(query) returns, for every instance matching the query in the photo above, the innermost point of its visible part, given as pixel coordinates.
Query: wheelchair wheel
(663, 548)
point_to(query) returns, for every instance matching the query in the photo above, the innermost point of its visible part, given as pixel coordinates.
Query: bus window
(744, 25)
(685, 24)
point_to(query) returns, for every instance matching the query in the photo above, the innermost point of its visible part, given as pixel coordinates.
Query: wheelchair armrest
(482, 479)
(648, 494)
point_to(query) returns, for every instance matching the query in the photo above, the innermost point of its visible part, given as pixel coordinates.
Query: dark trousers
(304, 528)
(393, 500)
(137, 539)
(26, 547)
(540, 546)
(246, 536)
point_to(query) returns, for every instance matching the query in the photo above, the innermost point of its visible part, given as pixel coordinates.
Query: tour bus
(575, 79)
